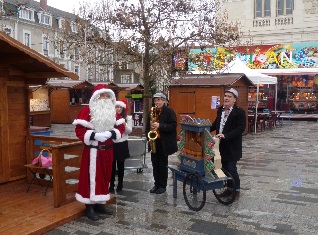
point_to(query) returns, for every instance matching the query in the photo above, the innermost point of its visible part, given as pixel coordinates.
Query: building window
(8, 31)
(27, 39)
(1, 7)
(262, 8)
(285, 7)
(26, 14)
(62, 50)
(76, 53)
(45, 19)
(74, 27)
(125, 78)
(63, 65)
(45, 45)
(76, 69)
(61, 23)
(124, 65)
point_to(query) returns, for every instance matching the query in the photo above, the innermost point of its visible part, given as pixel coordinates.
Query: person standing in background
(166, 143)
(229, 125)
(121, 150)
(96, 128)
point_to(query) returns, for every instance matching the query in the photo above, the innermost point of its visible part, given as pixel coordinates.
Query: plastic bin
(137, 150)
(46, 132)
(38, 130)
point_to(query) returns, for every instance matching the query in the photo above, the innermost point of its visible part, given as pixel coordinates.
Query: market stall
(257, 78)
(299, 87)
(199, 96)
(67, 98)
(20, 68)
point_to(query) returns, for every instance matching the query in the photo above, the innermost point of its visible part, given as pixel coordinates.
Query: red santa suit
(97, 157)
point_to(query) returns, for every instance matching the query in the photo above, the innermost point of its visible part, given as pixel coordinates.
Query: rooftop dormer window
(26, 14)
(45, 18)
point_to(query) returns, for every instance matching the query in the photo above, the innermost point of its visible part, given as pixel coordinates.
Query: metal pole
(256, 106)
(275, 96)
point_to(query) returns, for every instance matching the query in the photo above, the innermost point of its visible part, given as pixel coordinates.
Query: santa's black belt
(100, 147)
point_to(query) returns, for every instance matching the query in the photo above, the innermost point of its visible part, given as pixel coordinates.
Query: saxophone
(153, 134)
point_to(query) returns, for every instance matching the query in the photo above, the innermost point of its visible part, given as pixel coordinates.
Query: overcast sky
(64, 5)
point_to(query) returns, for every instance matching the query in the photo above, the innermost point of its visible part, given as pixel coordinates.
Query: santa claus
(96, 126)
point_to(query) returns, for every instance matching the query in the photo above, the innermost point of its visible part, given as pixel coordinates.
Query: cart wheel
(194, 192)
(139, 170)
(226, 195)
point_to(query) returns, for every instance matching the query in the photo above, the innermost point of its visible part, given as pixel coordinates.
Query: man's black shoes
(154, 189)
(157, 190)
(160, 190)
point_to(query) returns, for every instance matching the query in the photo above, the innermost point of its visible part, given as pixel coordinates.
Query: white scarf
(224, 116)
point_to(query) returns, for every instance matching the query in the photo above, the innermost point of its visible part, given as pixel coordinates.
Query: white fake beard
(103, 115)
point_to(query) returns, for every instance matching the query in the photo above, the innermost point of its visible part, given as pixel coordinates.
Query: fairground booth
(295, 65)
(199, 96)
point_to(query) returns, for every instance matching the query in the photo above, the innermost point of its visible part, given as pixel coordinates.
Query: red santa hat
(122, 103)
(100, 89)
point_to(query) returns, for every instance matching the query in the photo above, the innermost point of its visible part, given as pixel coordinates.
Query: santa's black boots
(101, 208)
(90, 212)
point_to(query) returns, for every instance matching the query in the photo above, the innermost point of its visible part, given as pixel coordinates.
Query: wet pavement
(279, 193)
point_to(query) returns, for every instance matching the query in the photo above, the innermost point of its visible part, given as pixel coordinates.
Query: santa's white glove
(108, 134)
(101, 137)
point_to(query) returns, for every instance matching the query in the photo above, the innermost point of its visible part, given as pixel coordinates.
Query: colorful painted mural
(294, 55)
(209, 59)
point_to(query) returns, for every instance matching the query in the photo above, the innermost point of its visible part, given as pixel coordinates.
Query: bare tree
(150, 32)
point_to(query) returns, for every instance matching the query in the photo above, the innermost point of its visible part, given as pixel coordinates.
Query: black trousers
(160, 166)
(232, 169)
(120, 172)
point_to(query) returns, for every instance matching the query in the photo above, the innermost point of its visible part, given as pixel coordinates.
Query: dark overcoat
(231, 146)
(167, 129)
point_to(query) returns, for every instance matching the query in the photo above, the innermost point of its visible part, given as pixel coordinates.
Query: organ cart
(200, 165)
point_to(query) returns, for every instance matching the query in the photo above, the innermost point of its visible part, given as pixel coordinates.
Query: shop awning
(237, 66)
(291, 71)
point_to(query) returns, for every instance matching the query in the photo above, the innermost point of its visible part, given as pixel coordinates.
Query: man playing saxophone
(162, 123)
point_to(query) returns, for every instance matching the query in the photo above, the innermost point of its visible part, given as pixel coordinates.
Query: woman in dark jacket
(121, 151)
(165, 144)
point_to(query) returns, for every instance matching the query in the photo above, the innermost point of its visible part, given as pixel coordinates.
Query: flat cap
(233, 91)
(160, 95)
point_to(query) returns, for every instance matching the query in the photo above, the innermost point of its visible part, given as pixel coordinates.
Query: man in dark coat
(229, 125)
(165, 124)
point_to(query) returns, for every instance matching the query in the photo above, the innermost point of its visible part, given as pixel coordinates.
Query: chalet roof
(80, 84)
(131, 86)
(227, 79)
(110, 85)
(24, 61)
(70, 84)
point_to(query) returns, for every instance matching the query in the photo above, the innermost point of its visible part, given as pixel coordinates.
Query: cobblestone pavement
(279, 180)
